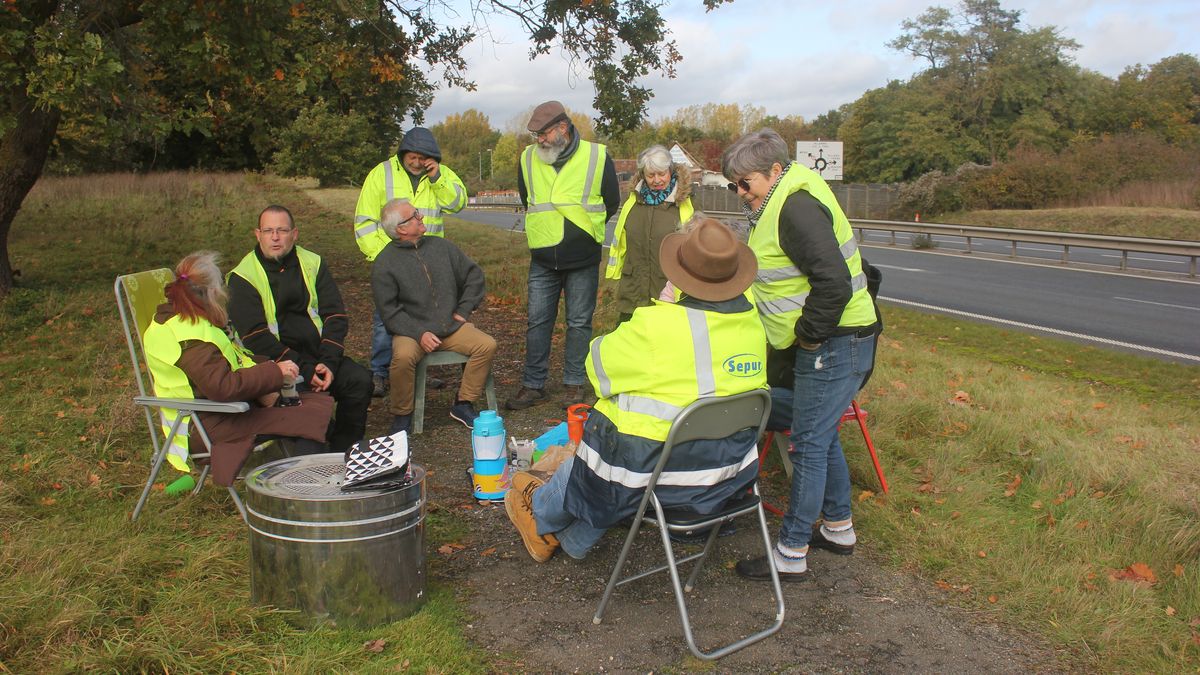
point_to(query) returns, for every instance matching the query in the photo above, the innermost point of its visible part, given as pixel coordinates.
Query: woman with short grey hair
(812, 297)
(658, 204)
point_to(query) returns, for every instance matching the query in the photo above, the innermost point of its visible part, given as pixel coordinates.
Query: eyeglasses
(743, 183)
(539, 135)
(272, 231)
(416, 214)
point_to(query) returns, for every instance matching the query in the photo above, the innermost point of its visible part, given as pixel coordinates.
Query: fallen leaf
(1099, 406)
(60, 414)
(374, 646)
(488, 551)
(955, 515)
(1011, 488)
(446, 549)
(93, 479)
(982, 554)
(1124, 439)
(865, 495)
(1138, 572)
(1170, 610)
(1082, 525)
(898, 385)
(49, 501)
(925, 487)
(992, 599)
(1178, 570)
(961, 398)
(56, 485)
(1036, 505)
(1098, 494)
(944, 585)
(939, 501)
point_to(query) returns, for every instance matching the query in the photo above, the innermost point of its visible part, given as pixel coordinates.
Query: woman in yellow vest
(659, 204)
(191, 356)
(812, 297)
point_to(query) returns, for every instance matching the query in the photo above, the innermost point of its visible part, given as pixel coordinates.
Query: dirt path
(853, 616)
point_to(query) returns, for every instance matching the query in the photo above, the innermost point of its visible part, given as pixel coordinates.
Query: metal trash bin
(338, 558)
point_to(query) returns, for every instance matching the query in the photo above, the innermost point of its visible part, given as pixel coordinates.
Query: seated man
(711, 343)
(286, 307)
(425, 289)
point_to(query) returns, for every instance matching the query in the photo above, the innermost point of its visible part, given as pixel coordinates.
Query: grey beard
(550, 155)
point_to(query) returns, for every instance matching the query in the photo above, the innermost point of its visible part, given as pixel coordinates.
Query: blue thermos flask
(490, 459)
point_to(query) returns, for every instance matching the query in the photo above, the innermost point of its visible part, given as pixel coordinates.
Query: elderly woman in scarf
(659, 204)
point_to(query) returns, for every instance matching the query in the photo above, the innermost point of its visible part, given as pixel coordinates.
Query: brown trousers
(477, 346)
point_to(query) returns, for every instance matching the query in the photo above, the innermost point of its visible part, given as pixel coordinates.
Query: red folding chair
(854, 412)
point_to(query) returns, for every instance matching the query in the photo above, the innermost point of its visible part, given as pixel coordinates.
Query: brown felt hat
(546, 115)
(708, 263)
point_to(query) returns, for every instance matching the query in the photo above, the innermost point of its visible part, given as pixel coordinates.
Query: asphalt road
(1151, 316)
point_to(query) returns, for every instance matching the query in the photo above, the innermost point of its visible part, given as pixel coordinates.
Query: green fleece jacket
(419, 286)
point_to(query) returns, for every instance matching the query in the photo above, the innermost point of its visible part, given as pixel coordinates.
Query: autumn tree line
(999, 115)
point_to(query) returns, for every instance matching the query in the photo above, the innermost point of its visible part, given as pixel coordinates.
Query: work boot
(380, 386)
(577, 393)
(518, 504)
(525, 398)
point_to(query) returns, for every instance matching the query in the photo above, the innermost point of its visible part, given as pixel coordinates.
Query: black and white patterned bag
(378, 463)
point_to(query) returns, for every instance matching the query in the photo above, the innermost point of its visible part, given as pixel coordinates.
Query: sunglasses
(743, 184)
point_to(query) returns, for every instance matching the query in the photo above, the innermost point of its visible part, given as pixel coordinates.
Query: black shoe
(464, 412)
(400, 423)
(818, 540)
(380, 386)
(525, 398)
(758, 569)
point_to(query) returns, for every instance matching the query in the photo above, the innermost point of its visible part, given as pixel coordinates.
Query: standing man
(812, 297)
(286, 307)
(569, 188)
(426, 289)
(416, 175)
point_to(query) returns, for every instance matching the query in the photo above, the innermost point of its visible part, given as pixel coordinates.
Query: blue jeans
(381, 347)
(826, 380)
(578, 287)
(575, 536)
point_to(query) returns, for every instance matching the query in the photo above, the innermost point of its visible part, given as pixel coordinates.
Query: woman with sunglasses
(812, 297)
(659, 204)
(190, 355)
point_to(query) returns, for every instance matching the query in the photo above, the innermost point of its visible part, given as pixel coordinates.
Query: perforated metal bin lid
(283, 484)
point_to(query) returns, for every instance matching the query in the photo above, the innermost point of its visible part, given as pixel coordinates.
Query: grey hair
(654, 159)
(389, 216)
(757, 151)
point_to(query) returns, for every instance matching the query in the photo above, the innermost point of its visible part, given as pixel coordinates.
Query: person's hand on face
(433, 169)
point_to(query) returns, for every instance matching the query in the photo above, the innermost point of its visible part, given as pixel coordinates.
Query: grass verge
(1124, 221)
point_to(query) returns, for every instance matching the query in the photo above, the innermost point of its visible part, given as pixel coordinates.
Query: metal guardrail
(1183, 249)
(1126, 245)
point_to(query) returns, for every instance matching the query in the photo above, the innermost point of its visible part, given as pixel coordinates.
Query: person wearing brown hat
(570, 190)
(644, 373)
(816, 308)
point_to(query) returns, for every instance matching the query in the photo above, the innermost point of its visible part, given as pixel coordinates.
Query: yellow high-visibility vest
(252, 271)
(570, 194)
(711, 354)
(163, 346)
(389, 180)
(780, 289)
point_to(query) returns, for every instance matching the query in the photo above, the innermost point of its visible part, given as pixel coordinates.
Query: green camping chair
(138, 296)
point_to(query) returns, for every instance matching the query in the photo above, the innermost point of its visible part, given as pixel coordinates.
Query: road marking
(1047, 329)
(897, 267)
(1160, 304)
(1153, 260)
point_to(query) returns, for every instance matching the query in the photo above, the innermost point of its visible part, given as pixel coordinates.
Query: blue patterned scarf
(656, 197)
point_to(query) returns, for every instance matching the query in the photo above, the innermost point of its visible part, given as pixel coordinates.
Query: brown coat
(233, 435)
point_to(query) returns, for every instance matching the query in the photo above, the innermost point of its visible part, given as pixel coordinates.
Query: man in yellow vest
(645, 372)
(285, 305)
(570, 189)
(812, 297)
(415, 174)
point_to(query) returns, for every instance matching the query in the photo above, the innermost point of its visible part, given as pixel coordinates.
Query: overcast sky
(795, 57)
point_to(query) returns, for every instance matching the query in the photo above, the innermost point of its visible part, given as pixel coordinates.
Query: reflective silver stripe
(529, 197)
(539, 208)
(604, 384)
(612, 260)
(388, 187)
(849, 248)
(706, 381)
(360, 232)
(359, 220)
(434, 229)
(459, 196)
(858, 282)
(644, 405)
(273, 327)
(639, 480)
(593, 158)
(181, 431)
(314, 314)
(782, 305)
(590, 208)
(429, 213)
(777, 274)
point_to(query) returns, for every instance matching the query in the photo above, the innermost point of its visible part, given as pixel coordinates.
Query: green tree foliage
(327, 145)
(1163, 99)
(720, 121)
(467, 141)
(221, 83)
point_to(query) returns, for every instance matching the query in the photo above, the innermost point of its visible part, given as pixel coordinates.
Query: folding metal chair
(138, 295)
(705, 419)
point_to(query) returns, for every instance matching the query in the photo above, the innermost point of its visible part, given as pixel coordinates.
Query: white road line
(1160, 304)
(1046, 329)
(897, 267)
